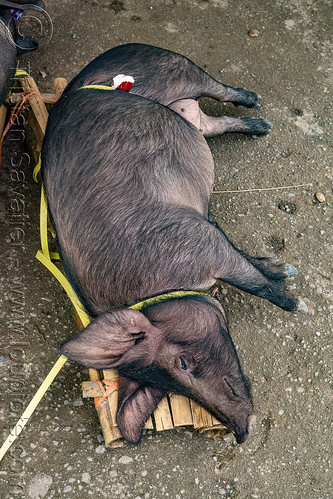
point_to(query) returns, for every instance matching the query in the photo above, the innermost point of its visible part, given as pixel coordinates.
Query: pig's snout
(242, 432)
(241, 436)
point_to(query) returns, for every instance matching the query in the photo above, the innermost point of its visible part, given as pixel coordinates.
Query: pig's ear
(105, 342)
(136, 403)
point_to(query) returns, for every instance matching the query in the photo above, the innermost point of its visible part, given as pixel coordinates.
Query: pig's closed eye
(229, 387)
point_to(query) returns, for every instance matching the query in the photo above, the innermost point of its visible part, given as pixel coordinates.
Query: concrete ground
(288, 358)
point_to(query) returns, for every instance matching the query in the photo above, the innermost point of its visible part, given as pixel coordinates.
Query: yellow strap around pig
(37, 170)
(51, 255)
(171, 295)
(97, 87)
(44, 256)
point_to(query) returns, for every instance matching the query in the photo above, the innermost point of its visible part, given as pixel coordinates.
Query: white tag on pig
(122, 82)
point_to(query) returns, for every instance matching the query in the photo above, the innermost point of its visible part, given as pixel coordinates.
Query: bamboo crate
(174, 410)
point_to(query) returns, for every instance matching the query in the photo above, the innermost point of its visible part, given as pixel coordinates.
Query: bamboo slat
(91, 389)
(112, 374)
(3, 114)
(149, 425)
(201, 418)
(162, 416)
(15, 97)
(181, 410)
(94, 376)
(59, 85)
(111, 434)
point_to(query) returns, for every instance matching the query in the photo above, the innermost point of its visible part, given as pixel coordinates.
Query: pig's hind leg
(198, 84)
(263, 277)
(211, 126)
(209, 87)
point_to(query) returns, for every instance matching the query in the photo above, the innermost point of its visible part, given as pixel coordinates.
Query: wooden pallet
(174, 410)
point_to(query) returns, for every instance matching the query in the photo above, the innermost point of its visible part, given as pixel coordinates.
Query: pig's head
(180, 346)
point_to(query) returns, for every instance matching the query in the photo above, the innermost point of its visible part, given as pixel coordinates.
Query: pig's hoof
(247, 99)
(291, 270)
(302, 308)
(257, 127)
(272, 269)
(257, 104)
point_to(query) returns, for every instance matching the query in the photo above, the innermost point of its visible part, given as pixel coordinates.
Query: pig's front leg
(265, 277)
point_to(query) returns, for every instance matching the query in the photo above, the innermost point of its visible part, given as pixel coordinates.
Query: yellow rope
(32, 406)
(44, 256)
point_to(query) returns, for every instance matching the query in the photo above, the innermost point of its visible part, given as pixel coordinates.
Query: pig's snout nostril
(243, 431)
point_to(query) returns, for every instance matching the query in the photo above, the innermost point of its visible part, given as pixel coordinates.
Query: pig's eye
(182, 364)
(185, 363)
(229, 386)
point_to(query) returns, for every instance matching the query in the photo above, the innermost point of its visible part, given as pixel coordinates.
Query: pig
(128, 178)
(12, 43)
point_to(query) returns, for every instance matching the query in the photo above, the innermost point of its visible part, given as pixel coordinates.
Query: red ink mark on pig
(122, 82)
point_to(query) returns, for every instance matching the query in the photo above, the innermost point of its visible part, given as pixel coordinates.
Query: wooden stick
(149, 425)
(91, 389)
(94, 376)
(110, 433)
(36, 102)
